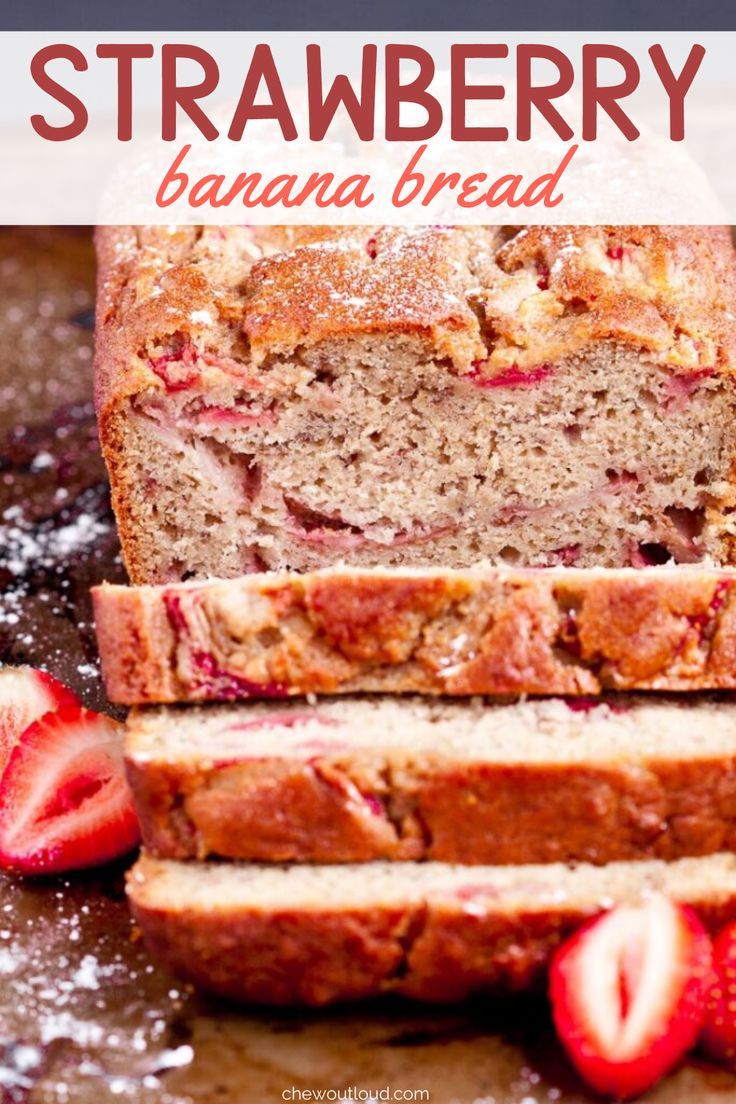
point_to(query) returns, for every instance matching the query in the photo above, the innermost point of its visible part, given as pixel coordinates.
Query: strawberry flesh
(64, 799)
(719, 1031)
(510, 377)
(178, 369)
(25, 695)
(629, 993)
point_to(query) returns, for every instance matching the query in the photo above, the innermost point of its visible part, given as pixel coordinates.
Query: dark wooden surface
(85, 1016)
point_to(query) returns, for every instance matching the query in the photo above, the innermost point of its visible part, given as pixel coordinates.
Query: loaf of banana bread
(431, 931)
(478, 631)
(274, 398)
(358, 779)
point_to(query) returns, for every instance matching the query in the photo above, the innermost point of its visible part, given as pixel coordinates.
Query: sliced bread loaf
(316, 934)
(480, 631)
(287, 398)
(350, 780)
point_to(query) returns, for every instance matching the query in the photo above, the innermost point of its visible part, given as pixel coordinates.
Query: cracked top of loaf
(485, 300)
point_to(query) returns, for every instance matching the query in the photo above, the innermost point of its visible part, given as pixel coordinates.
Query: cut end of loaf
(212, 889)
(441, 632)
(534, 396)
(561, 731)
(366, 779)
(608, 477)
(317, 935)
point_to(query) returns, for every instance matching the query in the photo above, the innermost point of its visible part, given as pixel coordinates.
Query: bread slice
(481, 631)
(315, 934)
(351, 780)
(275, 398)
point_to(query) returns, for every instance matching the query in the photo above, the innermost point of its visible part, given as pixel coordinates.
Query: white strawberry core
(23, 698)
(629, 976)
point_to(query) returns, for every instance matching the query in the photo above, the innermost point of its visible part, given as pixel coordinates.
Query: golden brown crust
(436, 946)
(374, 806)
(138, 643)
(665, 289)
(292, 959)
(490, 631)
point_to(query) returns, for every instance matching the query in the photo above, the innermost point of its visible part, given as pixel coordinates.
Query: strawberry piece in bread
(25, 695)
(719, 1031)
(64, 799)
(629, 994)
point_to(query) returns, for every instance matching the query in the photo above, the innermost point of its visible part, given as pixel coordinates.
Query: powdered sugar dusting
(68, 964)
(84, 1015)
(25, 547)
(40, 562)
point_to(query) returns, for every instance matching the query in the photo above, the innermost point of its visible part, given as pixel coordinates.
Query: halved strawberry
(64, 800)
(629, 993)
(25, 695)
(719, 1030)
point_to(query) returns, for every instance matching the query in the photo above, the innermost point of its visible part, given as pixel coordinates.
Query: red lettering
(442, 180)
(547, 182)
(173, 177)
(124, 54)
(470, 188)
(57, 92)
(415, 91)
(529, 95)
(174, 96)
(414, 179)
(322, 108)
(262, 68)
(352, 190)
(461, 92)
(677, 87)
(609, 95)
